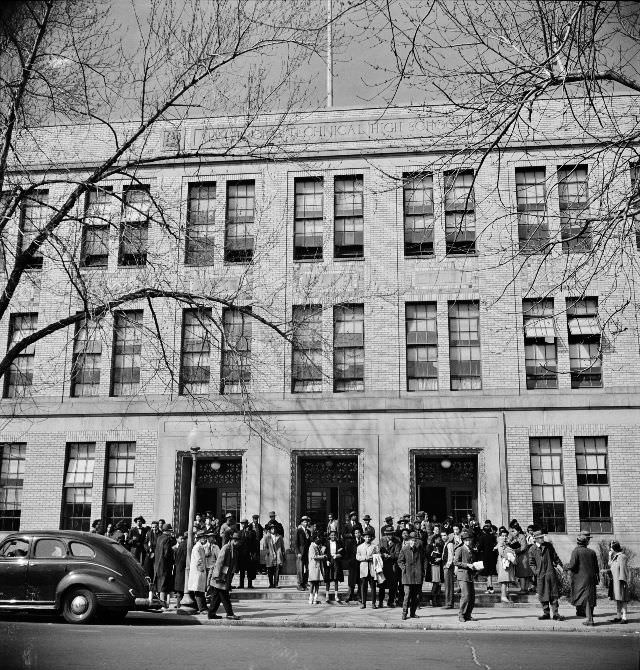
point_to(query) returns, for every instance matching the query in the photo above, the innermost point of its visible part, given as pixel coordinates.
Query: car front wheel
(79, 606)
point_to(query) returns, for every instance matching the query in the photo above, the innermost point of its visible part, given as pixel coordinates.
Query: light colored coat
(317, 561)
(197, 568)
(620, 574)
(272, 550)
(364, 554)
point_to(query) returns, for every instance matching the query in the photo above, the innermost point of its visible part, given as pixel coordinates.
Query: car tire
(113, 615)
(79, 605)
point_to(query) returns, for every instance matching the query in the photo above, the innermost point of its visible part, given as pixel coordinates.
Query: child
(317, 560)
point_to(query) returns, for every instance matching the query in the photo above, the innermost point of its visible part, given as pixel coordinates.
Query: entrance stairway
(287, 591)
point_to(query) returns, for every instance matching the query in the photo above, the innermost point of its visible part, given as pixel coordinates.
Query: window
(201, 221)
(34, 215)
(195, 370)
(348, 348)
(49, 548)
(418, 214)
(85, 365)
(12, 457)
(95, 228)
(19, 377)
(574, 222)
(80, 550)
(546, 483)
(464, 346)
(306, 368)
(594, 497)
(635, 201)
(127, 351)
(533, 226)
(585, 353)
(134, 229)
(459, 212)
(308, 219)
(236, 351)
(239, 240)
(120, 472)
(349, 217)
(422, 346)
(14, 549)
(78, 484)
(540, 344)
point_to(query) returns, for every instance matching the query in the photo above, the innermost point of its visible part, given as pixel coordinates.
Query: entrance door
(218, 486)
(447, 486)
(328, 485)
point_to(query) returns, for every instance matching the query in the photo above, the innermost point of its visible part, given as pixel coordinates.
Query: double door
(328, 486)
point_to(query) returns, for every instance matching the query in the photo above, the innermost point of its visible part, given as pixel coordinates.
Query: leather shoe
(214, 616)
(404, 616)
(558, 617)
(363, 606)
(589, 622)
(374, 606)
(233, 617)
(544, 617)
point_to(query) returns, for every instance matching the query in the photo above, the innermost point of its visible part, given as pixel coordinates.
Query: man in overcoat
(197, 584)
(543, 561)
(163, 564)
(585, 576)
(351, 543)
(364, 556)
(136, 539)
(274, 522)
(463, 563)
(412, 563)
(302, 542)
(221, 577)
(249, 550)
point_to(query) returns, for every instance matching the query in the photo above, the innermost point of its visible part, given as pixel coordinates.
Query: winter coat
(272, 550)
(197, 568)
(411, 561)
(435, 550)
(163, 563)
(334, 562)
(543, 560)
(364, 555)
(303, 540)
(390, 554)
(211, 555)
(505, 556)
(519, 544)
(248, 549)
(620, 574)
(317, 562)
(487, 554)
(222, 573)
(179, 566)
(583, 566)
(461, 557)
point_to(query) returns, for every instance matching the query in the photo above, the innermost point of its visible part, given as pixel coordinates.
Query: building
(438, 365)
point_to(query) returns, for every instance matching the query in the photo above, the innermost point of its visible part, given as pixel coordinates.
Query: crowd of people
(414, 556)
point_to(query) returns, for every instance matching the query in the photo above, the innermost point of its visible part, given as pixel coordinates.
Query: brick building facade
(426, 380)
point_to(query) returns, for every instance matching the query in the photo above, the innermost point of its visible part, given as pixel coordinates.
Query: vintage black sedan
(79, 575)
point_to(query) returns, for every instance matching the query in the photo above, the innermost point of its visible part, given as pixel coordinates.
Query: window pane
(348, 348)
(422, 346)
(546, 483)
(195, 369)
(239, 235)
(19, 377)
(12, 462)
(349, 217)
(308, 218)
(127, 351)
(464, 346)
(34, 217)
(418, 214)
(201, 210)
(306, 369)
(235, 374)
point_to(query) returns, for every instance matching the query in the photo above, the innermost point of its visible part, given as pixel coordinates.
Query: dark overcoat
(585, 575)
(411, 561)
(226, 564)
(543, 560)
(180, 566)
(163, 563)
(487, 553)
(334, 571)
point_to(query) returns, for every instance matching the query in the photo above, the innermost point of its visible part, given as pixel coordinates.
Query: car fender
(96, 578)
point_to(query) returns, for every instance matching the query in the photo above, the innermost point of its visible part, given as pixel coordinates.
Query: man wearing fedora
(367, 527)
(543, 561)
(198, 571)
(463, 562)
(227, 528)
(221, 577)
(163, 564)
(585, 576)
(302, 543)
(136, 538)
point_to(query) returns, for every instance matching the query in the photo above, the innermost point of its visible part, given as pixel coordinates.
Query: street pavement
(166, 642)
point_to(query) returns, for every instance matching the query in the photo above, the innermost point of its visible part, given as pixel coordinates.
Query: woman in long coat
(163, 564)
(505, 563)
(518, 542)
(618, 564)
(585, 576)
(317, 563)
(179, 567)
(198, 572)
(487, 554)
(272, 555)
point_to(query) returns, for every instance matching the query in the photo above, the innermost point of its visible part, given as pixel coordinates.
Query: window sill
(340, 259)
(475, 254)
(308, 260)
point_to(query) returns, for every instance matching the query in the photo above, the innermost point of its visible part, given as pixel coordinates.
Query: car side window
(49, 548)
(14, 549)
(80, 550)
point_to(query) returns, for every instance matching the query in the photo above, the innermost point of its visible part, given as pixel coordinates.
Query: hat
(305, 518)
(200, 533)
(537, 534)
(272, 513)
(255, 516)
(582, 539)
(366, 517)
(406, 516)
(466, 535)
(167, 527)
(245, 521)
(353, 514)
(420, 513)
(228, 515)
(139, 518)
(388, 519)
(488, 522)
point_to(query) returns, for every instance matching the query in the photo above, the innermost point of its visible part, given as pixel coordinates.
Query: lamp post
(187, 605)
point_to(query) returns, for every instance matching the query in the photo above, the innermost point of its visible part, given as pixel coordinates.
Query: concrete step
(290, 593)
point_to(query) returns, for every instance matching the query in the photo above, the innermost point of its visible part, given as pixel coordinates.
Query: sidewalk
(297, 614)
